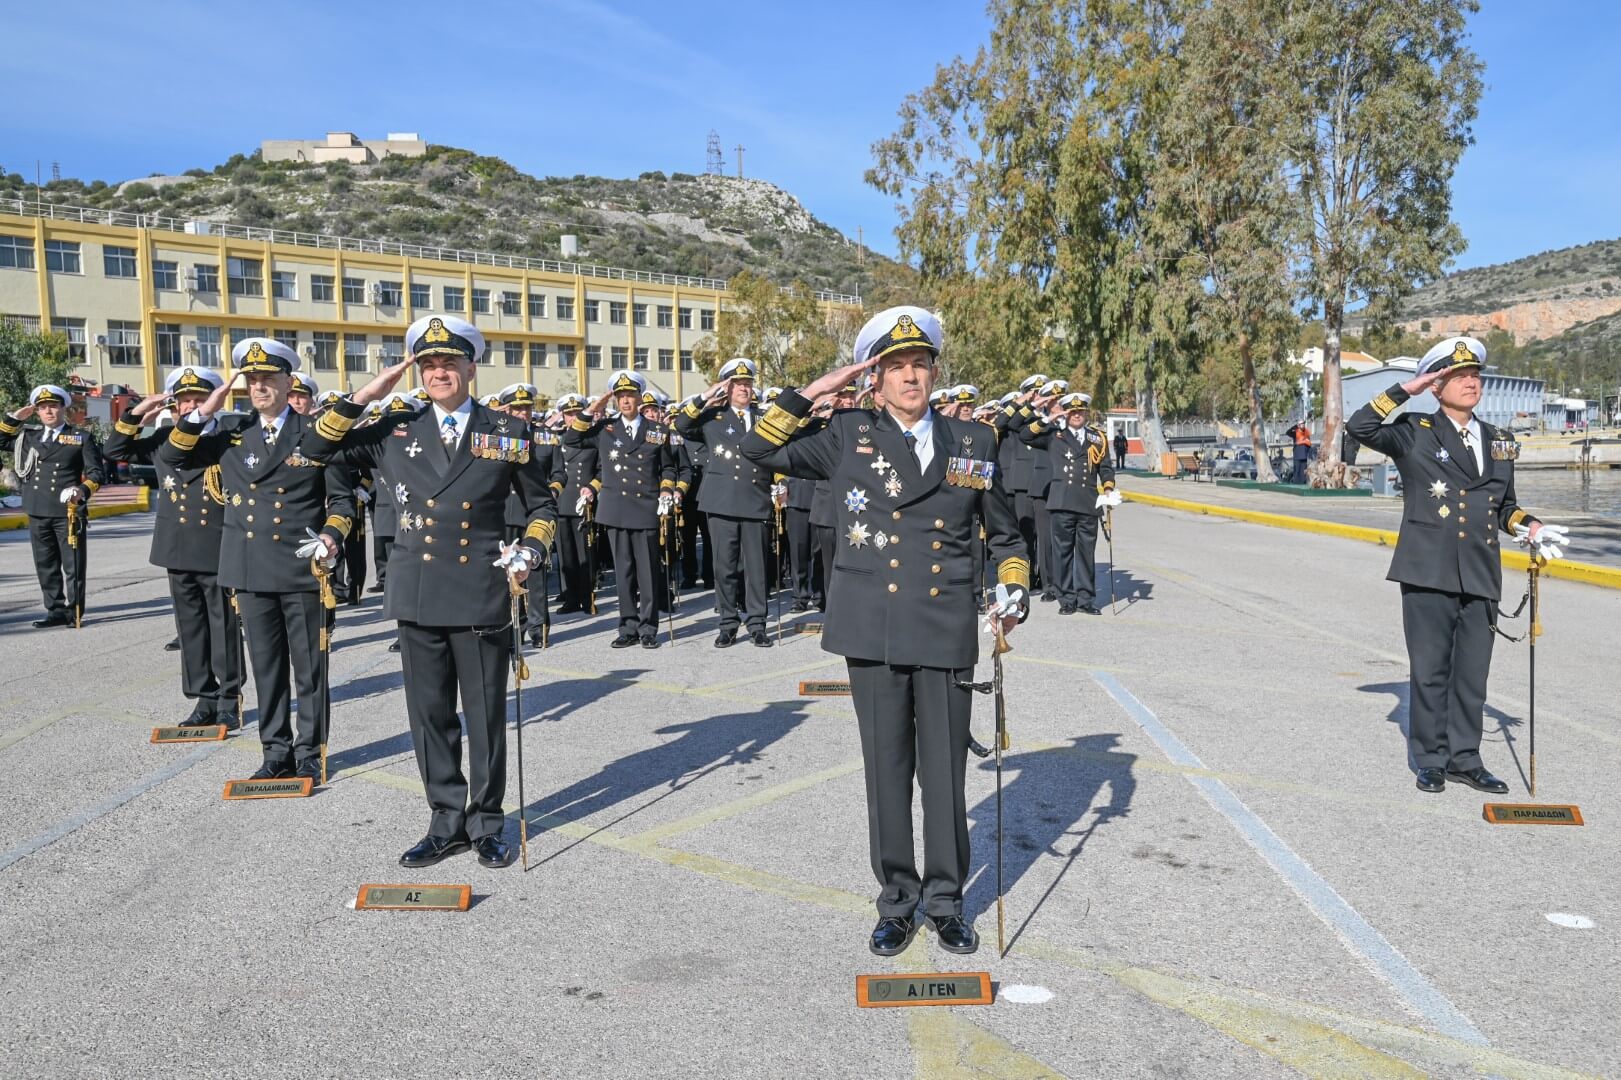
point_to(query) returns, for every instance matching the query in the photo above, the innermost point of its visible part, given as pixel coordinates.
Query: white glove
(1008, 602)
(363, 496)
(515, 556)
(588, 494)
(779, 492)
(315, 547)
(666, 502)
(70, 494)
(1550, 542)
(1112, 497)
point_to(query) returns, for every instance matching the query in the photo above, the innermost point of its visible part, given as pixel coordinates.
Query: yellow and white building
(137, 295)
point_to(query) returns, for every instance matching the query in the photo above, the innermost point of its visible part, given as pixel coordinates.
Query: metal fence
(324, 241)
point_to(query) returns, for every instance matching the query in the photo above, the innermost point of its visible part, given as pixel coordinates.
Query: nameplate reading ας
(414, 898)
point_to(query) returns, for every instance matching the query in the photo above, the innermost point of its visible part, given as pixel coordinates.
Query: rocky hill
(1534, 298)
(710, 226)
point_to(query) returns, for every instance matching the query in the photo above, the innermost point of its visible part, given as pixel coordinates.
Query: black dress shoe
(310, 767)
(569, 608)
(651, 641)
(273, 770)
(760, 639)
(798, 606)
(624, 641)
(535, 640)
(1479, 779)
(1048, 597)
(173, 646)
(493, 851)
(955, 932)
(394, 646)
(201, 716)
(55, 618)
(725, 639)
(892, 935)
(1067, 609)
(1431, 780)
(430, 849)
(1089, 609)
(376, 588)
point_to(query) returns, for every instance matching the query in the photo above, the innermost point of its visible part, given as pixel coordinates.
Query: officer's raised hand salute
(1081, 489)
(451, 467)
(910, 486)
(276, 498)
(1458, 493)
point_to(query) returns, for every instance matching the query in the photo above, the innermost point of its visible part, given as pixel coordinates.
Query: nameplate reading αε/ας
(206, 733)
(810, 628)
(1500, 813)
(290, 788)
(953, 988)
(414, 898)
(824, 688)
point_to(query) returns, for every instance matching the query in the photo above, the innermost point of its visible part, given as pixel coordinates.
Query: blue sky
(118, 90)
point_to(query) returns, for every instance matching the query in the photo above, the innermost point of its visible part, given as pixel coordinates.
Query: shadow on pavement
(1398, 715)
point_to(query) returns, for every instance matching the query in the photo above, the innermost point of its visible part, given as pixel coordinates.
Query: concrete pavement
(1217, 862)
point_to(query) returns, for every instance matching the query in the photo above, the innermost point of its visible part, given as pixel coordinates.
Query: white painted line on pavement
(1353, 930)
(1570, 922)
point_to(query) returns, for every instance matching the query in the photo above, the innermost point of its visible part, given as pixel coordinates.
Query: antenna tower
(716, 165)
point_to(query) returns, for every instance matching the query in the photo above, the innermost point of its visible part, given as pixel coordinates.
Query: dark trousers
(437, 661)
(691, 521)
(57, 563)
(1043, 550)
(1119, 459)
(636, 579)
(575, 587)
(807, 576)
(827, 544)
(352, 571)
(1075, 543)
(1449, 655)
(740, 570)
(210, 641)
(1302, 454)
(381, 548)
(914, 721)
(283, 628)
(1024, 508)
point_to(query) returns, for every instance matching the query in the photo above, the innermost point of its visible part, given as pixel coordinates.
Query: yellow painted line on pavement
(765, 797)
(947, 1045)
(142, 503)
(78, 709)
(1586, 573)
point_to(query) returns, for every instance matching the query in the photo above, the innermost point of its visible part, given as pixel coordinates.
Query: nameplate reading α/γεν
(1500, 813)
(290, 788)
(824, 688)
(206, 733)
(892, 991)
(414, 898)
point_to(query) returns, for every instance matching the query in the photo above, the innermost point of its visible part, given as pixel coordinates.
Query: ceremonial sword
(1000, 744)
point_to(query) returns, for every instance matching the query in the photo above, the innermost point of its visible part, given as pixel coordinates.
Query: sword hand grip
(978, 749)
(976, 687)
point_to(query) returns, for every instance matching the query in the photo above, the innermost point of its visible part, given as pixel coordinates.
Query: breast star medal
(168, 483)
(1438, 490)
(855, 501)
(881, 541)
(401, 496)
(857, 535)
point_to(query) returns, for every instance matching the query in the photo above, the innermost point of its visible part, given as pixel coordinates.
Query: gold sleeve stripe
(681, 486)
(541, 530)
(10, 426)
(124, 427)
(777, 426)
(596, 485)
(580, 423)
(1383, 405)
(1014, 571)
(182, 441)
(692, 411)
(342, 524)
(90, 485)
(333, 427)
(1108, 485)
(1516, 518)
(1036, 428)
(666, 485)
(557, 486)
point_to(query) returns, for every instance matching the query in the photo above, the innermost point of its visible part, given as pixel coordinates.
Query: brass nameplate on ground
(1499, 813)
(810, 628)
(291, 788)
(207, 733)
(890, 991)
(824, 688)
(414, 898)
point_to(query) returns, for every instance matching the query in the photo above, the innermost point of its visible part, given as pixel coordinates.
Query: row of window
(245, 277)
(326, 347)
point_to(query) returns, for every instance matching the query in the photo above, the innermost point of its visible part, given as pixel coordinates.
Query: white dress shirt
(1472, 441)
(633, 424)
(463, 415)
(923, 432)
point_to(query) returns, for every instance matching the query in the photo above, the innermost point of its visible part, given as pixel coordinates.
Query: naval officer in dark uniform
(1081, 488)
(1457, 495)
(452, 468)
(574, 535)
(519, 401)
(58, 469)
(276, 499)
(911, 487)
(736, 495)
(639, 483)
(186, 543)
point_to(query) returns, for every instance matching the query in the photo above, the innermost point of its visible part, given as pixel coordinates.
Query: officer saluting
(275, 500)
(639, 486)
(451, 468)
(573, 535)
(58, 470)
(1078, 461)
(186, 543)
(1458, 492)
(736, 495)
(902, 601)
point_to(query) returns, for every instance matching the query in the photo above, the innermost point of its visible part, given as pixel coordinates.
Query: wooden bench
(1190, 464)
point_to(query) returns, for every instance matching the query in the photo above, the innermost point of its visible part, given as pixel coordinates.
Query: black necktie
(911, 448)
